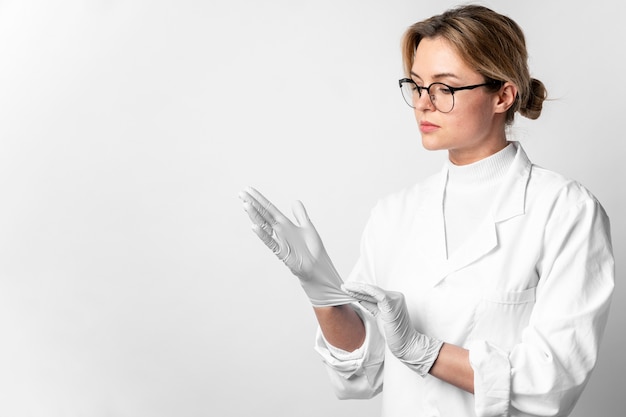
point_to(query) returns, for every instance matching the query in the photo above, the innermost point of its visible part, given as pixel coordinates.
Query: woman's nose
(423, 102)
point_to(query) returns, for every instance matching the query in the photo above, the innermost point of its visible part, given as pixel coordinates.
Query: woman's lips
(427, 127)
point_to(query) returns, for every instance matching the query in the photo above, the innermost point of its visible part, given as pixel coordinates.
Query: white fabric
(470, 190)
(528, 294)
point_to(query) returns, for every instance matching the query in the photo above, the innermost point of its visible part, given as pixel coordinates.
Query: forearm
(341, 326)
(453, 366)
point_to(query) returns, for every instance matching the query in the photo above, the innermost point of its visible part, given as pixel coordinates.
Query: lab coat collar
(509, 203)
(512, 195)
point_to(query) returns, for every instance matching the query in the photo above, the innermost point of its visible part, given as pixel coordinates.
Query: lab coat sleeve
(355, 374)
(545, 373)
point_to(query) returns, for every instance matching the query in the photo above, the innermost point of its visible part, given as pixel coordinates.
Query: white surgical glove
(414, 349)
(298, 246)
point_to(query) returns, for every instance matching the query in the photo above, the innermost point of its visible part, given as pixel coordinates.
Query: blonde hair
(491, 43)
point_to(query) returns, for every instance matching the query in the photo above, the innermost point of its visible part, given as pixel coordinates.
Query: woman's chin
(431, 144)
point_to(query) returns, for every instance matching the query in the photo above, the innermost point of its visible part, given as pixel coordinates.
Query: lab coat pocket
(501, 317)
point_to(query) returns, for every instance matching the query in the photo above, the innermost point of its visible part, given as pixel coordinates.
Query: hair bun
(537, 95)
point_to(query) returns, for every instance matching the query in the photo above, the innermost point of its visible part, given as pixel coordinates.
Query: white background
(130, 282)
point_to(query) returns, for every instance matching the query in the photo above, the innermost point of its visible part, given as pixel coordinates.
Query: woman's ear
(506, 97)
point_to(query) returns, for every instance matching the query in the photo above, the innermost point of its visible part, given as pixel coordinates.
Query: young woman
(483, 290)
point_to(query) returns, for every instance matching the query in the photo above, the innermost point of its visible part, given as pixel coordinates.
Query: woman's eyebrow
(438, 76)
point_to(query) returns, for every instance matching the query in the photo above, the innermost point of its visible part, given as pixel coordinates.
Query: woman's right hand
(299, 247)
(413, 348)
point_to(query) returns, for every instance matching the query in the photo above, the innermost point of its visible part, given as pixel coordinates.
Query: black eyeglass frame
(452, 90)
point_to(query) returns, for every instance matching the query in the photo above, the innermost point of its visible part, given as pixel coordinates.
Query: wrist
(323, 286)
(422, 354)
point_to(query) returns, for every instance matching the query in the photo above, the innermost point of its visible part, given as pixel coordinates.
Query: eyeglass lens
(440, 95)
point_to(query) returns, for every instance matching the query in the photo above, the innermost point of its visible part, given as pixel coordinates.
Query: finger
(365, 292)
(266, 238)
(360, 296)
(299, 212)
(372, 308)
(250, 201)
(256, 217)
(264, 206)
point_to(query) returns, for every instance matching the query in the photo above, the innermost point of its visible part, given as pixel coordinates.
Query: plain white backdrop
(130, 281)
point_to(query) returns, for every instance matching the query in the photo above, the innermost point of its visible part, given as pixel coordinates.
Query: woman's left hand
(298, 246)
(413, 348)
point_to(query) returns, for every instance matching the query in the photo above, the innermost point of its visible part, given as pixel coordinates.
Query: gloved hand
(298, 246)
(414, 349)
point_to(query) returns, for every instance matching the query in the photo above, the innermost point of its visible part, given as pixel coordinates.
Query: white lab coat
(528, 294)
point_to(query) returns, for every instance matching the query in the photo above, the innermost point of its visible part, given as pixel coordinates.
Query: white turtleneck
(470, 191)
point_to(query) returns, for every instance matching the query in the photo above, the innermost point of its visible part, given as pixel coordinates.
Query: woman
(483, 290)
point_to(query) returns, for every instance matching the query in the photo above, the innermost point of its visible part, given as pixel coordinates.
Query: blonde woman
(484, 289)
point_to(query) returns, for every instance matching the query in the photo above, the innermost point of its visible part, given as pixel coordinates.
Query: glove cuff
(324, 289)
(424, 355)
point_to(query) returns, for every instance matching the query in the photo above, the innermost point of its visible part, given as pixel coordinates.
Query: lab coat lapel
(479, 244)
(430, 222)
(508, 204)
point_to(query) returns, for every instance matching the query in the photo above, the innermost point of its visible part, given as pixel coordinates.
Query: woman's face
(474, 129)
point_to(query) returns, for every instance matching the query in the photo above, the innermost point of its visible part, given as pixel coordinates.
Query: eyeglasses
(441, 95)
